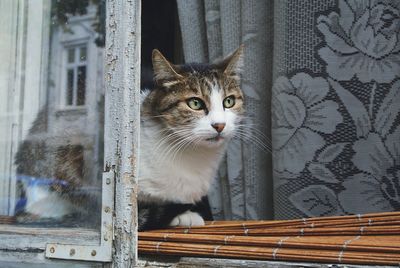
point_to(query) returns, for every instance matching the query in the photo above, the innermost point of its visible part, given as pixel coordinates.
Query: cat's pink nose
(218, 127)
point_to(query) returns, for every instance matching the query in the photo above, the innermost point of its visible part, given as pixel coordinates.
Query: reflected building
(51, 110)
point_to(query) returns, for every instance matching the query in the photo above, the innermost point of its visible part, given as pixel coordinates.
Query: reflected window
(76, 76)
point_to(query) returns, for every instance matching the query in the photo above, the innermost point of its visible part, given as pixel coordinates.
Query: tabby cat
(186, 122)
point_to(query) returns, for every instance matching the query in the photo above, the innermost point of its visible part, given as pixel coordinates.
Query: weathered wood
(123, 120)
(24, 238)
(198, 262)
(184, 262)
(18, 259)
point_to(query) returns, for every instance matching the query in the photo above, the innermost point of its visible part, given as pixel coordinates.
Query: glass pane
(82, 54)
(70, 86)
(81, 85)
(51, 152)
(71, 55)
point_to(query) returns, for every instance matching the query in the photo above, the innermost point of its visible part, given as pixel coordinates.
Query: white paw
(188, 219)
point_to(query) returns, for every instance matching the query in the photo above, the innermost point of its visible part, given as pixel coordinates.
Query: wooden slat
(360, 239)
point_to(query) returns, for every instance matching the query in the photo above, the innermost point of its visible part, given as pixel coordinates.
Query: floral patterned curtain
(335, 103)
(335, 122)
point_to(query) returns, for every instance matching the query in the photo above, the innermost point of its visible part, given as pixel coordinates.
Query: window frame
(121, 139)
(122, 109)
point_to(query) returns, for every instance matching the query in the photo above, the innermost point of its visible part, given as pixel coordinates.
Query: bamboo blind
(359, 239)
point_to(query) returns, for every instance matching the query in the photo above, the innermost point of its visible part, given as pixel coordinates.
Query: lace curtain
(321, 80)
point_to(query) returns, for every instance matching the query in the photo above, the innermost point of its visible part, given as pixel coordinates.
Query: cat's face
(199, 104)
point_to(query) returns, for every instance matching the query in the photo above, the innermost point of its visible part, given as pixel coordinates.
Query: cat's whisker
(167, 151)
(163, 141)
(254, 128)
(255, 132)
(176, 147)
(170, 131)
(254, 136)
(246, 136)
(179, 139)
(180, 148)
(170, 137)
(164, 144)
(155, 116)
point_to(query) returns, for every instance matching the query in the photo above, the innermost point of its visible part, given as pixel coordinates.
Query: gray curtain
(211, 30)
(330, 71)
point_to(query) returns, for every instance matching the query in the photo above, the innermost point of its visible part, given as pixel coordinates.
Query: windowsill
(71, 111)
(172, 261)
(36, 237)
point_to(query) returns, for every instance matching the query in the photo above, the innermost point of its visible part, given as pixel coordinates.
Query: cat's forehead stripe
(209, 82)
(215, 85)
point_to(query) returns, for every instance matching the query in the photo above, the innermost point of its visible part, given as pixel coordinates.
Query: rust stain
(127, 179)
(132, 161)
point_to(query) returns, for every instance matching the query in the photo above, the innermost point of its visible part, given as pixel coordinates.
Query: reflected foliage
(63, 9)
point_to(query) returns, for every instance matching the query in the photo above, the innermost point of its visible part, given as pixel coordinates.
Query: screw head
(108, 181)
(72, 252)
(93, 253)
(107, 209)
(52, 250)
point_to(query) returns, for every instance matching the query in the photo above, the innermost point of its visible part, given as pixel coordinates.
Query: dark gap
(160, 30)
(70, 86)
(81, 85)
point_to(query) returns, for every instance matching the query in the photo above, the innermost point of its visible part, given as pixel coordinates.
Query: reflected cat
(54, 180)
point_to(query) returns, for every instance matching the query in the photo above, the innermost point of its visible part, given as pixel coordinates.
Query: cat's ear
(165, 73)
(232, 65)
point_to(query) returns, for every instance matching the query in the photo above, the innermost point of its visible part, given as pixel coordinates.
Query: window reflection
(70, 86)
(76, 76)
(81, 85)
(51, 113)
(71, 55)
(82, 55)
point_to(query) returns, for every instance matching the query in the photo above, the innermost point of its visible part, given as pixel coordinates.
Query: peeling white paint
(123, 119)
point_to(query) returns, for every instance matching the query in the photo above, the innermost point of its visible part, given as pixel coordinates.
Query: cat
(187, 120)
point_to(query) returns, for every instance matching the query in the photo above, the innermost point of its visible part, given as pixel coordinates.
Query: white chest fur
(184, 177)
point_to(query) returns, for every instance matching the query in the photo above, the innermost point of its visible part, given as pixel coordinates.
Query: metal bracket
(102, 252)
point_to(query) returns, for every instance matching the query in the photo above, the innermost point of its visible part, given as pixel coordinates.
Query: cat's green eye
(229, 102)
(195, 103)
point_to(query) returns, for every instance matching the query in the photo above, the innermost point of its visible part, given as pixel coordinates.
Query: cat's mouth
(216, 138)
